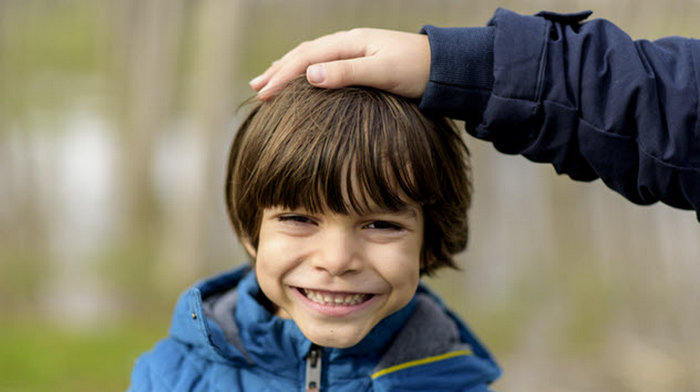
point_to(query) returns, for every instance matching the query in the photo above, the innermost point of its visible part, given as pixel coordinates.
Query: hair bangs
(340, 163)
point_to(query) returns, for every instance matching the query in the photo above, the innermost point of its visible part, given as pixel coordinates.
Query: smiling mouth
(329, 298)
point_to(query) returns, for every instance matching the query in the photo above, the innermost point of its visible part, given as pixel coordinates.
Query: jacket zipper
(313, 369)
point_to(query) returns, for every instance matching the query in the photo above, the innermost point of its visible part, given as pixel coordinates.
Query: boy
(343, 198)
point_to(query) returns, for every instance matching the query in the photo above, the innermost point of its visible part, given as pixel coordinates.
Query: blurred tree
(145, 41)
(184, 243)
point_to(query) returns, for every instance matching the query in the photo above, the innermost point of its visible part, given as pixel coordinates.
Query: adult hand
(394, 61)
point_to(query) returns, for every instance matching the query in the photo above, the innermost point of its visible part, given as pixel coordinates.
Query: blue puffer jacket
(223, 339)
(582, 96)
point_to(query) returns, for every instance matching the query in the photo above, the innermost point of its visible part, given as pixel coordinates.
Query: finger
(261, 80)
(288, 69)
(280, 77)
(295, 62)
(362, 71)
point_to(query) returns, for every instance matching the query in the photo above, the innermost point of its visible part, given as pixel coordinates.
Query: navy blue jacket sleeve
(582, 96)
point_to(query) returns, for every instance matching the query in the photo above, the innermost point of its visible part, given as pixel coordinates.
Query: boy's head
(344, 197)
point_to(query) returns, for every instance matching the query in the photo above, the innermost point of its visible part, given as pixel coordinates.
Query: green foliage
(37, 356)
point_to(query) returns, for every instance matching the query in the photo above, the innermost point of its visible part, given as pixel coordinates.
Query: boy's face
(337, 276)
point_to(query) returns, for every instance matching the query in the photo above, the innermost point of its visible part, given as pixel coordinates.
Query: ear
(249, 247)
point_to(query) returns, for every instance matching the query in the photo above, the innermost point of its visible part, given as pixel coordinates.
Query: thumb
(341, 73)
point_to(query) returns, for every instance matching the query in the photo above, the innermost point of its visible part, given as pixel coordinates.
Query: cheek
(271, 265)
(276, 253)
(399, 265)
(269, 250)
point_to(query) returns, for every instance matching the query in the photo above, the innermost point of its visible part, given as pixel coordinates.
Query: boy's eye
(383, 225)
(295, 219)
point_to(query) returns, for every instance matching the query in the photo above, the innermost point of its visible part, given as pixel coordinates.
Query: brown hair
(302, 148)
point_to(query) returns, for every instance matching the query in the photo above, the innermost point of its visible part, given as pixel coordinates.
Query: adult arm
(582, 96)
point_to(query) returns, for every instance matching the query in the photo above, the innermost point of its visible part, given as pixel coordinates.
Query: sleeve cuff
(461, 70)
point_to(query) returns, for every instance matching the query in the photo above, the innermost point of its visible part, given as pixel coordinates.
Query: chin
(332, 339)
(335, 343)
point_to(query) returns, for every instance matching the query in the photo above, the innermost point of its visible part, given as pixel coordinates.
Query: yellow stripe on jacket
(419, 362)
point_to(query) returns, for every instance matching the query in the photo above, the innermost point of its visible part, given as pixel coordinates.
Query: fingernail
(267, 87)
(316, 74)
(255, 80)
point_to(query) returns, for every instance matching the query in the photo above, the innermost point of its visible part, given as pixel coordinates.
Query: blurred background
(115, 120)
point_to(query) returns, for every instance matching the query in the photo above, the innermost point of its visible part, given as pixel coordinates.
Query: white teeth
(325, 298)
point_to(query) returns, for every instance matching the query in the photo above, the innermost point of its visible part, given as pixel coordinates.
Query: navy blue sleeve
(584, 97)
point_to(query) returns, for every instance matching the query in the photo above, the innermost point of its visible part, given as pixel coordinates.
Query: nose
(338, 253)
